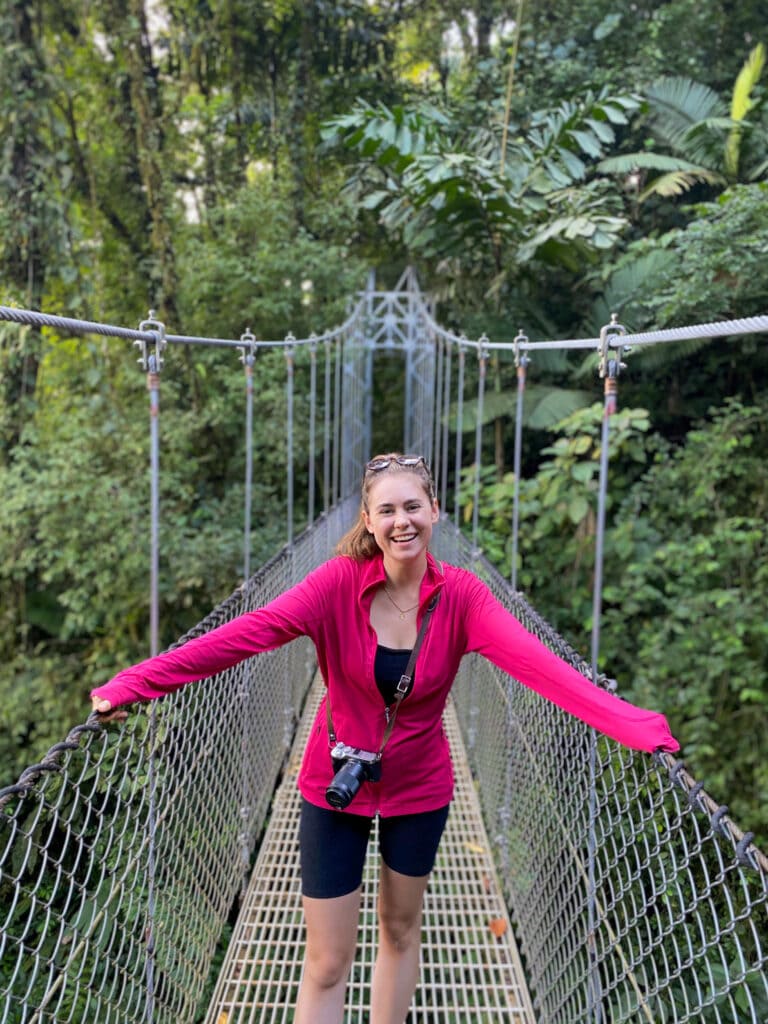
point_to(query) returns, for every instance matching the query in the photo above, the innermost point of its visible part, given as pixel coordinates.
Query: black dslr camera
(353, 767)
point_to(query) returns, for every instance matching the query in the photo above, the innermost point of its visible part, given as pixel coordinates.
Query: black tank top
(389, 665)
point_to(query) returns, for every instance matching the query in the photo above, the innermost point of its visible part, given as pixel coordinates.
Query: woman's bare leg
(332, 927)
(396, 971)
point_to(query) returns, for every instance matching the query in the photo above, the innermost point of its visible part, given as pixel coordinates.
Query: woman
(363, 610)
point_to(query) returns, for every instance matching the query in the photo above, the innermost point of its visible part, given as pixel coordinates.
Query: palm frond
(542, 407)
(645, 161)
(675, 183)
(657, 357)
(682, 102)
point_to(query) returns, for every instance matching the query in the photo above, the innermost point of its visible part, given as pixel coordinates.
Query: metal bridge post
(521, 362)
(289, 367)
(609, 371)
(247, 358)
(482, 358)
(152, 362)
(312, 428)
(327, 426)
(462, 355)
(446, 429)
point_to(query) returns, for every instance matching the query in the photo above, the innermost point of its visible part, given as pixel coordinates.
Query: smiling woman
(390, 625)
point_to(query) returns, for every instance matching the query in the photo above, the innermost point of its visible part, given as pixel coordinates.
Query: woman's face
(400, 516)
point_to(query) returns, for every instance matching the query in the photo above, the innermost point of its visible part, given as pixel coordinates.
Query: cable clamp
(609, 367)
(152, 362)
(520, 339)
(248, 348)
(290, 341)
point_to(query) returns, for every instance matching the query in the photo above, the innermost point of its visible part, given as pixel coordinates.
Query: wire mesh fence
(635, 898)
(122, 852)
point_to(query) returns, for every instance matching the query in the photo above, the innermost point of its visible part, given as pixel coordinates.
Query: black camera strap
(404, 686)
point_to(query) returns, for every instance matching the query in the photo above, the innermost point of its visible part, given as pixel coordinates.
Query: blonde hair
(357, 542)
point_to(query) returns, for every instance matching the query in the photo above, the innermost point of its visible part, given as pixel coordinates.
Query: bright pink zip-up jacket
(332, 606)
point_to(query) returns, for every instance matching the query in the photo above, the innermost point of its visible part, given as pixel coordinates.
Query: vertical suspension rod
(459, 433)
(152, 362)
(247, 358)
(289, 375)
(482, 359)
(327, 428)
(446, 426)
(312, 428)
(609, 371)
(521, 362)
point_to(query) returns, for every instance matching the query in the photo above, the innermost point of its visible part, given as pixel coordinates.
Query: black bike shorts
(333, 845)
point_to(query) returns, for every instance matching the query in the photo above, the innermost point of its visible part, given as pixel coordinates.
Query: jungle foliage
(244, 164)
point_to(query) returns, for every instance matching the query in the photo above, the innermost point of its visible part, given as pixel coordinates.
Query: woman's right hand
(106, 712)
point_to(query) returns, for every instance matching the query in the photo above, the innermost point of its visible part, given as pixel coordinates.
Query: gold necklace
(403, 611)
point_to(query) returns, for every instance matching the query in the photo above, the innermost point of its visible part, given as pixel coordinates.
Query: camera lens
(345, 785)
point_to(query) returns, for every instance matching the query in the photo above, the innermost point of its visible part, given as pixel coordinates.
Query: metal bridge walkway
(471, 971)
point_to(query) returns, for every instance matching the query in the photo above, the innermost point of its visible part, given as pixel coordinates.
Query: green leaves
(416, 171)
(707, 146)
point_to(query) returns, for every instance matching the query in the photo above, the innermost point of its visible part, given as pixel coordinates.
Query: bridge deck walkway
(471, 971)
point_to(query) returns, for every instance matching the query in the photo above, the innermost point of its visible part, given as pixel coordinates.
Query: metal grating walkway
(471, 971)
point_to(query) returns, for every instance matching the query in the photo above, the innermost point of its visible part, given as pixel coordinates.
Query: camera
(353, 767)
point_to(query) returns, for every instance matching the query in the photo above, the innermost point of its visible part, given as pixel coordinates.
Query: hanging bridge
(149, 872)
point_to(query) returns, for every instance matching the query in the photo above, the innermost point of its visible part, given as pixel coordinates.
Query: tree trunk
(147, 105)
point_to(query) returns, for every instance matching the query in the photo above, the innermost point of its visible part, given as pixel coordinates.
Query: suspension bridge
(149, 872)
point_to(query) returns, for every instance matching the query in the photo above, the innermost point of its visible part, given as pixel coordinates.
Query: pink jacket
(332, 606)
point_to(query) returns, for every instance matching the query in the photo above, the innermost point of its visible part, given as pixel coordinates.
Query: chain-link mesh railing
(122, 852)
(652, 907)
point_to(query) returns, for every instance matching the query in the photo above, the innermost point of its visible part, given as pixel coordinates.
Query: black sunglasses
(376, 465)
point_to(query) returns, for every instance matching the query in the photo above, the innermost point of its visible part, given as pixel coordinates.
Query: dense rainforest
(246, 164)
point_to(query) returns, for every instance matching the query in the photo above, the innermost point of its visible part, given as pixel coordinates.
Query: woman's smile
(400, 515)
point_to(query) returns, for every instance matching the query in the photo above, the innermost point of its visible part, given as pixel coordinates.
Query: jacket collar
(373, 575)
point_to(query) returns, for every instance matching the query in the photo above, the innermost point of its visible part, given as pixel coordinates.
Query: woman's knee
(328, 966)
(398, 932)
(400, 926)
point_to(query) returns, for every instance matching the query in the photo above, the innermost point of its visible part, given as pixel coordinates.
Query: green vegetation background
(244, 164)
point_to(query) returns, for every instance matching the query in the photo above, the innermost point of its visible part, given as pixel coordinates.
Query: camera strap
(404, 686)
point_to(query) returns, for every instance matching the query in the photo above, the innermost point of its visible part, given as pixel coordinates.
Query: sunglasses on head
(376, 465)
